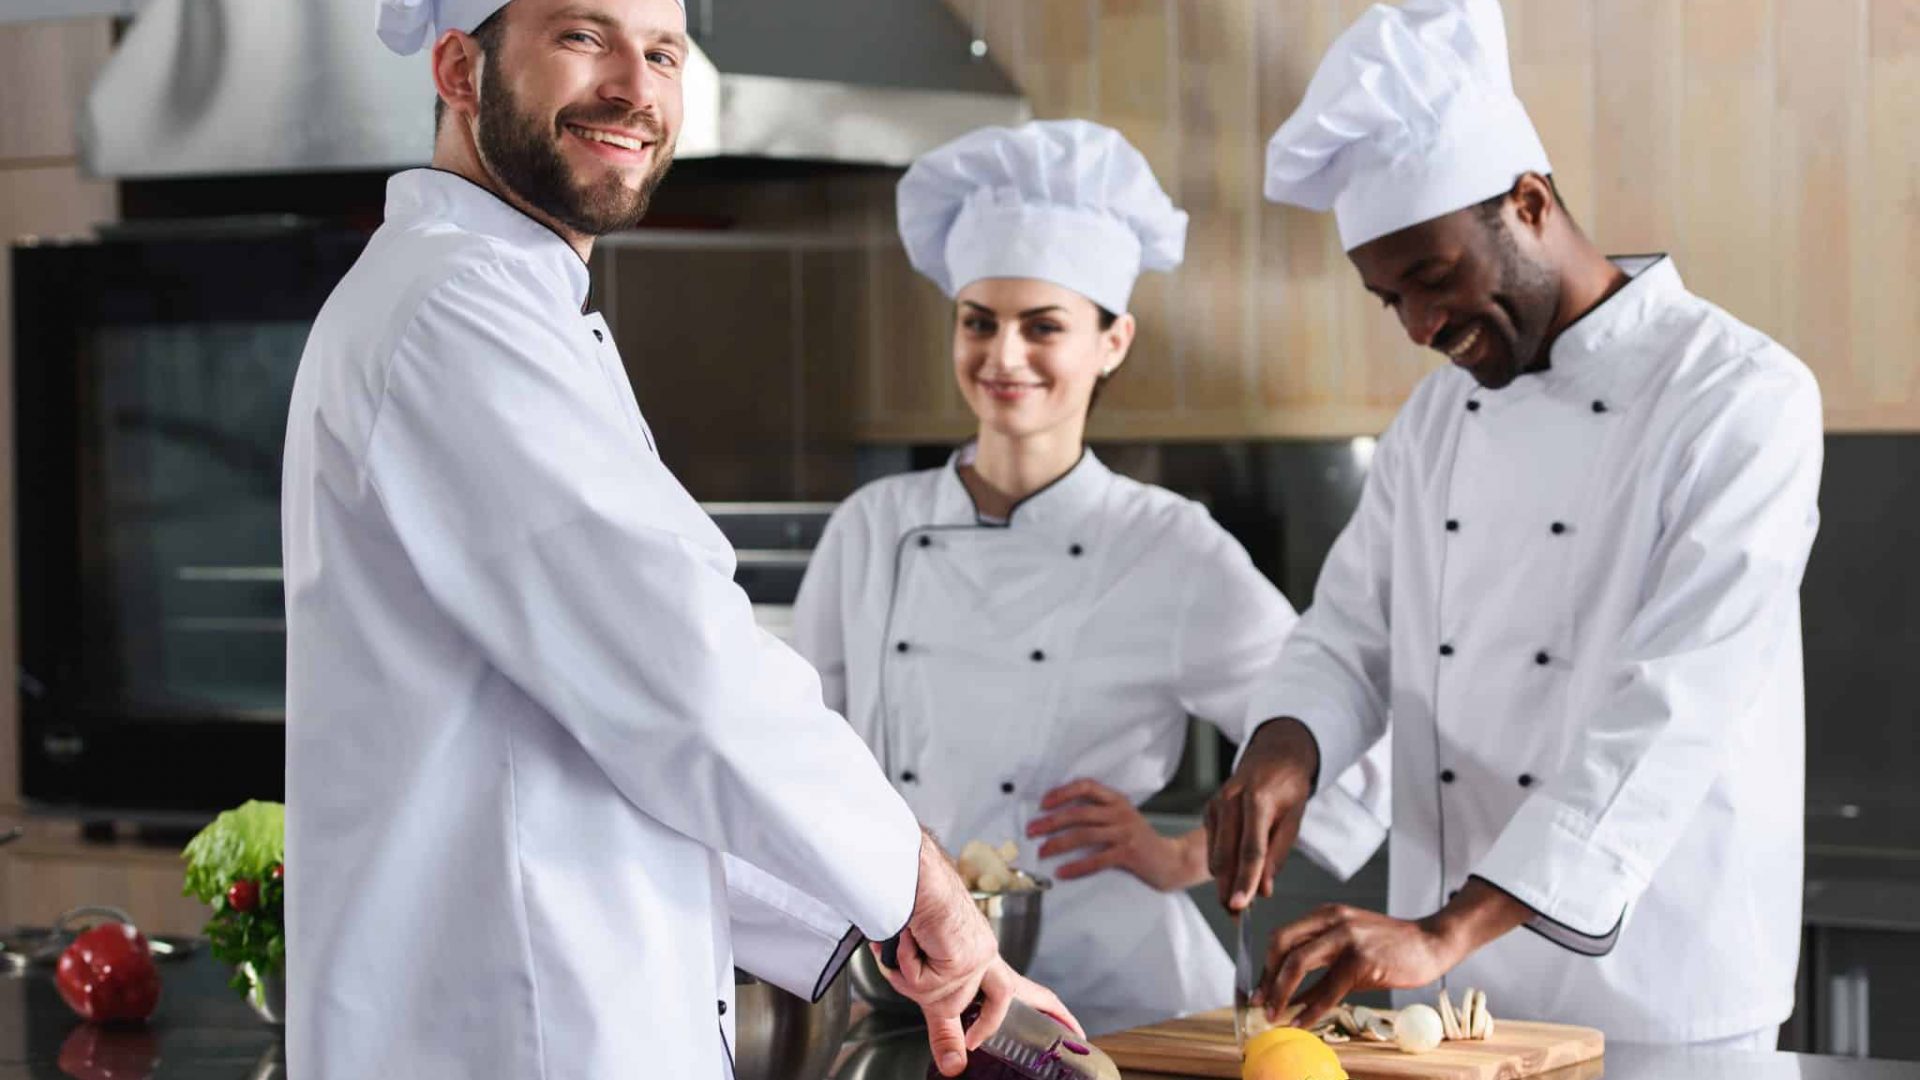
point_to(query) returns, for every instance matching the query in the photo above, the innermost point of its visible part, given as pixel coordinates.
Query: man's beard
(524, 154)
(1529, 292)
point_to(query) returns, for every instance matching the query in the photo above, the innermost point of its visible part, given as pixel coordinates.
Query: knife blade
(1246, 978)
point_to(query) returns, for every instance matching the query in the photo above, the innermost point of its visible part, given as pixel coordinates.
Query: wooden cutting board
(1202, 1045)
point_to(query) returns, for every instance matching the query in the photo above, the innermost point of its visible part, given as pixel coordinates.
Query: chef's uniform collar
(428, 195)
(1059, 509)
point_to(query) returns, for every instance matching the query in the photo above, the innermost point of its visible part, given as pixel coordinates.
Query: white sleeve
(1720, 606)
(782, 935)
(1232, 622)
(1234, 625)
(1332, 675)
(819, 610)
(1347, 820)
(516, 482)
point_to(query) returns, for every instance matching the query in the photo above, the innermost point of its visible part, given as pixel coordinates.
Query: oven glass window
(181, 514)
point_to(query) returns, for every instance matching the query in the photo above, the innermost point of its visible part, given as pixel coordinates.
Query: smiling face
(580, 104)
(1028, 354)
(1475, 285)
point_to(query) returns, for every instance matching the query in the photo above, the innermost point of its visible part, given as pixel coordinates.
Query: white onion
(1417, 1029)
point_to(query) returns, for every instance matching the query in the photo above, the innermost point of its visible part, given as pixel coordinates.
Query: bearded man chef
(1572, 580)
(547, 783)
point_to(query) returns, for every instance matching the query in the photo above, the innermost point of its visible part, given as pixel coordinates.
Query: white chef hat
(1065, 201)
(1411, 115)
(408, 25)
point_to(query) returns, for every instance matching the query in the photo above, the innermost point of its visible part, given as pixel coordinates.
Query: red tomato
(242, 895)
(107, 974)
(279, 872)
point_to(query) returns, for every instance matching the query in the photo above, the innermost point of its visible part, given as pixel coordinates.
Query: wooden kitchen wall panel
(826, 381)
(1637, 136)
(1889, 212)
(1137, 92)
(1722, 225)
(40, 879)
(709, 340)
(45, 70)
(1820, 145)
(911, 347)
(1768, 144)
(1216, 179)
(1295, 281)
(1553, 72)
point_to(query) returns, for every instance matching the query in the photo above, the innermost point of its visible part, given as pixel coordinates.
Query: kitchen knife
(1246, 977)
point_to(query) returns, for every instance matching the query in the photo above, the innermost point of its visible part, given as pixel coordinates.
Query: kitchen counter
(203, 1031)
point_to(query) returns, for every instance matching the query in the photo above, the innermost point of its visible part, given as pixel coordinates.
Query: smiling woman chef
(546, 781)
(1021, 635)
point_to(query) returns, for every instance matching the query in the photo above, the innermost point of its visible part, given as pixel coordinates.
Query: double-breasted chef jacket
(986, 663)
(547, 782)
(1578, 597)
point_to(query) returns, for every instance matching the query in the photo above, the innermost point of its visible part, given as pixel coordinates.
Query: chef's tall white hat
(1065, 201)
(1411, 115)
(409, 25)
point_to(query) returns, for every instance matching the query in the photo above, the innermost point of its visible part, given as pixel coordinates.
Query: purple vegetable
(984, 1064)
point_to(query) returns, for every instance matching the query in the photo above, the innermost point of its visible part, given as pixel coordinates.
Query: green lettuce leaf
(245, 842)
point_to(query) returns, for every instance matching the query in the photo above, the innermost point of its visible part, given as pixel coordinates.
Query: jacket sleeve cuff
(783, 936)
(1339, 740)
(1579, 892)
(1339, 832)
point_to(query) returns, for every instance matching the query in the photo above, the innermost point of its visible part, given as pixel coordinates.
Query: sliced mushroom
(1347, 1019)
(1482, 1024)
(1449, 1020)
(1379, 1029)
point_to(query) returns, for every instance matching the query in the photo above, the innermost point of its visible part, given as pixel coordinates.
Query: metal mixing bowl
(1015, 919)
(781, 1037)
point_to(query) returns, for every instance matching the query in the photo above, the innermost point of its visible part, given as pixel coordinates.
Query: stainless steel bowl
(1015, 919)
(781, 1037)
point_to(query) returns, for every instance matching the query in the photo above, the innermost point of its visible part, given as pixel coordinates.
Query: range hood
(222, 87)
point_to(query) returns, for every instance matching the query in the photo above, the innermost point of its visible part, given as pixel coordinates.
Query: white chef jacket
(986, 664)
(1579, 599)
(527, 708)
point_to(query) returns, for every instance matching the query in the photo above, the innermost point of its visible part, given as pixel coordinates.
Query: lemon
(1285, 1053)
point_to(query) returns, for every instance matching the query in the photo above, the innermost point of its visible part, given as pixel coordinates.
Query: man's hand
(1364, 950)
(948, 956)
(1086, 815)
(1253, 820)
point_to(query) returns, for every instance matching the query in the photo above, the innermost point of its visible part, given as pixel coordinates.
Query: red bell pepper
(108, 974)
(92, 1052)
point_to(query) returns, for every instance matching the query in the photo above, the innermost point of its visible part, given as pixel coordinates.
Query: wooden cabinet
(45, 71)
(1768, 146)
(52, 870)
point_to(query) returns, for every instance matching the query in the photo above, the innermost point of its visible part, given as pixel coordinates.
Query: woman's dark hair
(1107, 319)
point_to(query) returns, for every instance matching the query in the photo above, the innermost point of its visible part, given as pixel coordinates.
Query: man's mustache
(642, 123)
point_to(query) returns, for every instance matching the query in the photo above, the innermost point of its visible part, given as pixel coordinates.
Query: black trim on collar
(469, 181)
(1024, 500)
